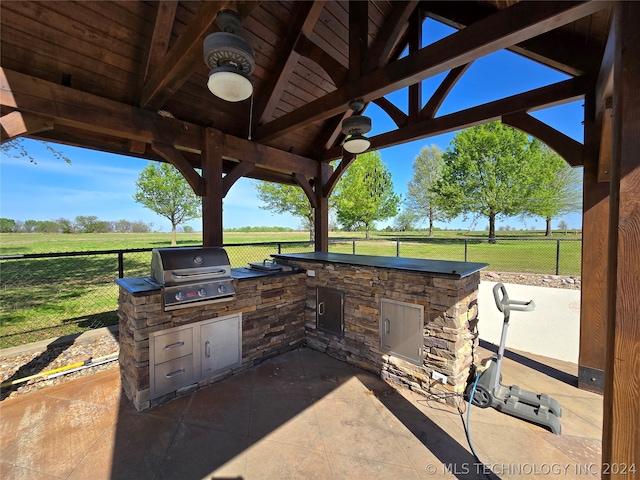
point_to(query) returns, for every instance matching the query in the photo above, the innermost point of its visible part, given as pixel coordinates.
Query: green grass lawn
(47, 297)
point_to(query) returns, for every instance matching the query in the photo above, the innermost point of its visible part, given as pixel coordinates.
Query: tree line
(489, 171)
(81, 224)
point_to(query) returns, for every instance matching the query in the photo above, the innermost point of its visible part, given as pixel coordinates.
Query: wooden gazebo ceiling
(128, 76)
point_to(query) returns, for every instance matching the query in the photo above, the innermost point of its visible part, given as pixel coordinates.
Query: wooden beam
(212, 221)
(159, 43)
(334, 69)
(620, 437)
(434, 103)
(507, 27)
(595, 230)
(136, 146)
(239, 171)
(186, 54)
(15, 124)
(303, 183)
(397, 115)
(389, 35)
(415, 43)
(332, 181)
(91, 113)
(305, 17)
(571, 150)
(358, 37)
(175, 158)
(551, 95)
(604, 84)
(321, 211)
(606, 147)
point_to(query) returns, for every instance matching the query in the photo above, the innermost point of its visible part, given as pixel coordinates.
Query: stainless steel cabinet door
(330, 310)
(401, 329)
(220, 345)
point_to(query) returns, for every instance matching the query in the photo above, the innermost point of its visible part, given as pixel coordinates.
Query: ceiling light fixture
(355, 127)
(230, 58)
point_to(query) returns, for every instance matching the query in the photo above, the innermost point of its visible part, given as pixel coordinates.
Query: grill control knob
(180, 296)
(222, 289)
(202, 292)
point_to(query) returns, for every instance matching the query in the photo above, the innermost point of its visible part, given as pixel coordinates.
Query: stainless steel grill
(190, 275)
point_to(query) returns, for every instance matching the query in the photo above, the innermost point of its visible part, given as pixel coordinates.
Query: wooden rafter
(358, 37)
(415, 43)
(15, 124)
(186, 54)
(434, 103)
(544, 97)
(507, 27)
(174, 157)
(388, 38)
(159, 44)
(565, 146)
(334, 69)
(305, 17)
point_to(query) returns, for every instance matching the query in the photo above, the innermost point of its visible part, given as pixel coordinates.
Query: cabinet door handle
(321, 308)
(387, 326)
(174, 374)
(207, 349)
(174, 345)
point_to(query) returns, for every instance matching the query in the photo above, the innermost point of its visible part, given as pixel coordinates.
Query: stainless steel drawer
(172, 345)
(171, 375)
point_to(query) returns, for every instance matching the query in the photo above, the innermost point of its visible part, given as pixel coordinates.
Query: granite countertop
(144, 285)
(436, 267)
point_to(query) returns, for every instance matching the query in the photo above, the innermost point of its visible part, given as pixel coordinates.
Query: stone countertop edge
(145, 285)
(445, 268)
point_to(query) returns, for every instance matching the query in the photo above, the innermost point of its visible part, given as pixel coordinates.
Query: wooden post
(212, 199)
(620, 438)
(595, 231)
(322, 208)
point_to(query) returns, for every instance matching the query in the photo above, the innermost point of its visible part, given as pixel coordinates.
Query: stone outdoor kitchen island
(401, 318)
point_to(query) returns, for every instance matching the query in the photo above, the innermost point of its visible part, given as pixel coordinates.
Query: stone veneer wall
(450, 318)
(272, 323)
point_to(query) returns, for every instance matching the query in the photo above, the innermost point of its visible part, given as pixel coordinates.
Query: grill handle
(196, 275)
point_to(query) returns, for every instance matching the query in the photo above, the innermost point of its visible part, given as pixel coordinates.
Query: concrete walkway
(552, 330)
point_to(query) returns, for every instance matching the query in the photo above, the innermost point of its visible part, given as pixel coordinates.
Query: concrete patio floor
(300, 415)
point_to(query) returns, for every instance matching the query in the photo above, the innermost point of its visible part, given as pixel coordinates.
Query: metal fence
(53, 294)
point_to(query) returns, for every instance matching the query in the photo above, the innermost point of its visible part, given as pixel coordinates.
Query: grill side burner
(190, 275)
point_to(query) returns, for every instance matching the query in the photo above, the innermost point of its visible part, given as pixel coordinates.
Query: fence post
(466, 246)
(557, 257)
(353, 249)
(120, 264)
(279, 248)
(397, 247)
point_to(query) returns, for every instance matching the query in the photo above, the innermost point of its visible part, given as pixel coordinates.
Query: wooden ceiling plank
(544, 97)
(185, 55)
(159, 44)
(434, 103)
(568, 148)
(92, 113)
(387, 39)
(17, 123)
(306, 17)
(505, 28)
(175, 158)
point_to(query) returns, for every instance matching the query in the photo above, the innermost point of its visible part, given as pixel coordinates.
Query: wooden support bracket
(308, 189)
(175, 158)
(239, 171)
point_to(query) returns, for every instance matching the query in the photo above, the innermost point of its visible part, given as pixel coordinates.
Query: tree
(489, 170)
(421, 198)
(15, 148)
(7, 225)
(405, 221)
(562, 225)
(165, 191)
(560, 188)
(287, 199)
(365, 193)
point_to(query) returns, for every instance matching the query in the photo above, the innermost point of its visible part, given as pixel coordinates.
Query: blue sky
(102, 184)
